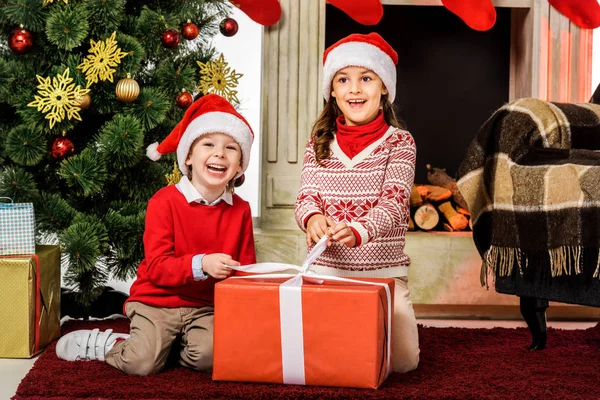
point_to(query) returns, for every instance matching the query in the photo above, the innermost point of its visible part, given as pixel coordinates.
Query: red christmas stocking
(585, 13)
(366, 12)
(478, 14)
(264, 12)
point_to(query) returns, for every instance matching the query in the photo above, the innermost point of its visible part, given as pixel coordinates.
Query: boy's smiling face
(214, 158)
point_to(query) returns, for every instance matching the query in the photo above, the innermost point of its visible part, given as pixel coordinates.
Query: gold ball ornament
(127, 89)
(85, 101)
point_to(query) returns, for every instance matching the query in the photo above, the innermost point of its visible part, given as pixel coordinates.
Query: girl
(357, 176)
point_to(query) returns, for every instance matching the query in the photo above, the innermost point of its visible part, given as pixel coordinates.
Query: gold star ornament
(58, 97)
(219, 78)
(99, 64)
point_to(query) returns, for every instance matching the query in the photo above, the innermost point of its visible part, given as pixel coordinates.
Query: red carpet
(456, 363)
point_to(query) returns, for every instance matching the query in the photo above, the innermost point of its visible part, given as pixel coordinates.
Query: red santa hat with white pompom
(209, 114)
(357, 50)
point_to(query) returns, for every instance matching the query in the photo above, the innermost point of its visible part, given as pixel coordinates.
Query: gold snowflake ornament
(219, 78)
(104, 55)
(174, 177)
(58, 97)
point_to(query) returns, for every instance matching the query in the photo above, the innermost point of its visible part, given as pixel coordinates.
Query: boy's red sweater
(175, 232)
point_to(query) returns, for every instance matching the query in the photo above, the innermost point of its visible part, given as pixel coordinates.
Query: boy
(195, 231)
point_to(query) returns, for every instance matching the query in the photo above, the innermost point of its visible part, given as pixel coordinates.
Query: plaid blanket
(531, 178)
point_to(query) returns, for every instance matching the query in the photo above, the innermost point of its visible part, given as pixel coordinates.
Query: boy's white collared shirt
(192, 195)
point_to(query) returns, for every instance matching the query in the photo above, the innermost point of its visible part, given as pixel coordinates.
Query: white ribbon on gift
(290, 308)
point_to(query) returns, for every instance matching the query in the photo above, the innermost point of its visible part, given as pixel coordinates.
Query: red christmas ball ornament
(20, 40)
(62, 147)
(189, 30)
(170, 38)
(240, 180)
(228, 27)
(184, 100)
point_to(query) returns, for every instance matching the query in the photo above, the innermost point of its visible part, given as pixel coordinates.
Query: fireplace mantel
(445, 267)
(544, 47)
(497, 3)
(550, 59)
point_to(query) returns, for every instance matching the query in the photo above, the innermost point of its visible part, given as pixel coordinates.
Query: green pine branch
(53, 213)
(85, 172)
(26, 146)
(30, 13)
(121, 141)
(67, 26)
(17, 184)
(151, 107)
(107, 16)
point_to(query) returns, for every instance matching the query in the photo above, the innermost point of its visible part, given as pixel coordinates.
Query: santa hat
(368, 51)
(209, 114)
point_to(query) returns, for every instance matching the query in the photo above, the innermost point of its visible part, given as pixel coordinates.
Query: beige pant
(405, 337)
(154, 330)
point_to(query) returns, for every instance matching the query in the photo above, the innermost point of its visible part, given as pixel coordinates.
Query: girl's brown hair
(325, 126)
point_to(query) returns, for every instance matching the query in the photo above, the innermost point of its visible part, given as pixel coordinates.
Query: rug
(456, 363)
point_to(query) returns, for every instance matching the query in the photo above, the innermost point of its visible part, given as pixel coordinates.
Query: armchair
(531, 178)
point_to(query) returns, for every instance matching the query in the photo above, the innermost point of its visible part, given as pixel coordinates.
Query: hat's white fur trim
(360, 54)
(152, 152)
(213, 122)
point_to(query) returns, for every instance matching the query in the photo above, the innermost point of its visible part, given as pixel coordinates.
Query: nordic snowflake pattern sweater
(175, 232)
(369, 192)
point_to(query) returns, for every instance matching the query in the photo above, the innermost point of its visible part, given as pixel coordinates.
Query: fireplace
(450, 77)
(547, 57)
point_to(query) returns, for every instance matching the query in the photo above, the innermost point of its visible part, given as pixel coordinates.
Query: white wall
(243, 52)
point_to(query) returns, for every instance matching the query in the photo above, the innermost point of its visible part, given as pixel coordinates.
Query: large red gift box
(326, 332)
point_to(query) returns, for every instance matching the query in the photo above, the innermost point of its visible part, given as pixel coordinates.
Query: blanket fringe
(564, 260)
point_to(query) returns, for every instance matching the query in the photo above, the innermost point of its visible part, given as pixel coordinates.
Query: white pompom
(152, 152)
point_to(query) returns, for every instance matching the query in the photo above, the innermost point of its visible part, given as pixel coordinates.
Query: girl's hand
(217, 265)
(343, 234)
(316, 227)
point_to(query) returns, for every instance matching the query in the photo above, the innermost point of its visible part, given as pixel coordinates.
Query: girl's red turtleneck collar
(354, 139)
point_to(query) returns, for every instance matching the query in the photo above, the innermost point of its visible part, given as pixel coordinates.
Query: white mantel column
(291, 102)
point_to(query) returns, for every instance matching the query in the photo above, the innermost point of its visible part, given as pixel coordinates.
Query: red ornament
(20, 40)
(228, 27)
(170, 38)
(189, 30)
(184, 100)
(240, 180)
(62, 147)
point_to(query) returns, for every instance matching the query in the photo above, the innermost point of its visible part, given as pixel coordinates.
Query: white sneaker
(87, 344)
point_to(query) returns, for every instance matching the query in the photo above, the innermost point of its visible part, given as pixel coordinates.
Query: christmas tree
(85, 86)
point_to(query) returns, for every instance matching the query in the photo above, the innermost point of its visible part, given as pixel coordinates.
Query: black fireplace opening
(451, 78)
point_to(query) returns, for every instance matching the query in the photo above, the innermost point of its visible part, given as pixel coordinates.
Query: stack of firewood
(438, 205)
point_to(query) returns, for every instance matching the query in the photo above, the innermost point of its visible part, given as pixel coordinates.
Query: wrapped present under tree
(30, 298)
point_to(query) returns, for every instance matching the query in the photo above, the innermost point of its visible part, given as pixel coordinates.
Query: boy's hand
(343, 234)
(316, 227)
(217, 265)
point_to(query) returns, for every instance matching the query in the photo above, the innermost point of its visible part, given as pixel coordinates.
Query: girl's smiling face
(358, 92)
